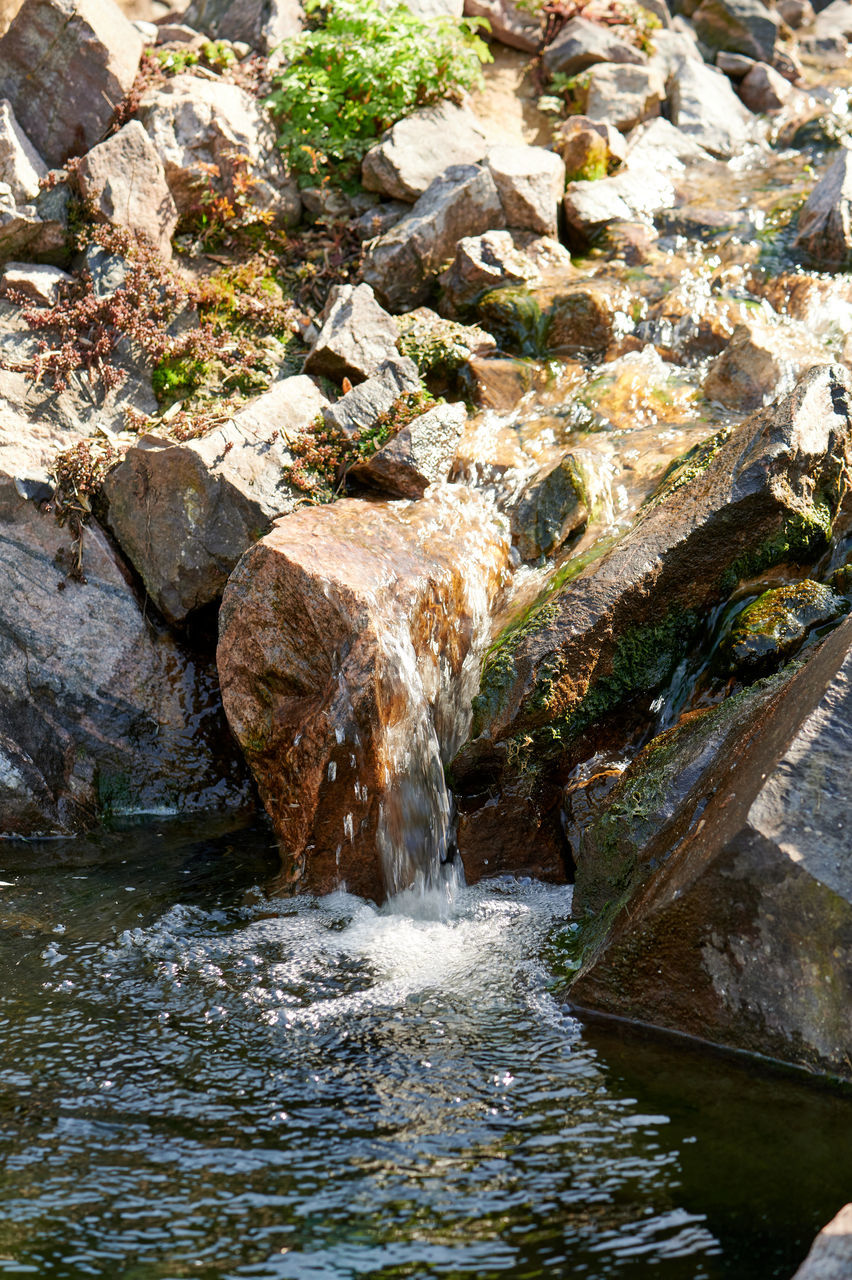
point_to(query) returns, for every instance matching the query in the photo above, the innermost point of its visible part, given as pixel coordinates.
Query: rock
(824, 236)
(176, 33)
(788, 64)
(692, 321)
(124, 181)
(736, 924)
(581, 43)
(349, 639)
(380, 218)
(589, 315)
(440, 348)
(834, 20)
(764, 89)
(624, 95)
(704, 106)
(485, 262)
(589, 148)
(500, 382)
(418, 148)
(514, 316)
(21, 167)
(773, 627)
(825, 52)
(796, 13)
(39, 284)
(738, 26)
(743, 501)
(823, 303)
(262, 24)
(761, 362)
(209, 134)
(530, 182)
(102, 713)
(402, 264)
(671, 47)
(830, 1256)
(356, 338)
(631, 194)
(510, 24)
(734, 65)
(358, 410)
(553, 505)
(30, 232)
(64, 67)
(417, 456)
(185, 513)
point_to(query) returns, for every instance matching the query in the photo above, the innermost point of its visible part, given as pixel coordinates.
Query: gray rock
(581, 43)
(826, 52)
(834, 20)
(633, 193)
(704, 106)
(402, 264)
(356, 338)
(124, 181)
(530, 182)
(40, 284)
(204, 127)
(670, 47)
(417, 456)
(830, 1256)
(764, 89)
(551, 507)
(380, 218)
(262, 24)
(184, 513)
(358, 410)
(825, 224)
(734, 65)
(176, 33)
(624, 95)
(418, 148)
(510, 25)
(485, 262)
(64, 66)
(739, 26)
(21, 167)
(438, 346)
(27, 235)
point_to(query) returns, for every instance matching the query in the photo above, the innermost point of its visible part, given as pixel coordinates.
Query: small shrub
(78, 474)
(359, 71)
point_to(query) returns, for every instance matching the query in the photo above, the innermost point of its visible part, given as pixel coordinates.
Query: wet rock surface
(830, 1256)
(825, 231)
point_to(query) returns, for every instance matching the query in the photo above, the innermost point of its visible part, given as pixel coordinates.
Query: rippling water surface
(197, 1079)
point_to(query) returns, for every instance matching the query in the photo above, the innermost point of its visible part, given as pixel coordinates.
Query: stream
(198, 1079)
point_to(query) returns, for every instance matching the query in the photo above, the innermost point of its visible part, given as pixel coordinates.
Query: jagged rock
(624, 96)
(552, 506)
(764, 89)
(262, 24)
(34, 232)
(64, 66)
(204, 128)
(830, 1256)
(589, 315)
(734, 65)
(590, 149)
(21, 167)
(417, 456)
(581, 43)
(530, 182)
(485, 262)
(825, 224)
(349, 637)
(516, 27)
(124, 181)
(704, 106)
(378, 219)
(418, 148)
(736, 505)
(101, 712)
(671, 47)
(796, 13)
(40, 284)
(738, 26)
(356, 338)
(402, 264)
(761, 362)
(773, 627)
(735, 922)
(184, 513)
(358, 410)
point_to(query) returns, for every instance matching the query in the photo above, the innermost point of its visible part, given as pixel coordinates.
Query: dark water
(196, 1080)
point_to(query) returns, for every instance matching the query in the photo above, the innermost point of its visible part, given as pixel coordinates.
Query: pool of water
(199, 1079)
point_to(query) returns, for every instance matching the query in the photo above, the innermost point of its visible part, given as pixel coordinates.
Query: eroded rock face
(123, 179)
(736, 922)
(419, 148)
(825, 223)
(64, 66)
(349, 638)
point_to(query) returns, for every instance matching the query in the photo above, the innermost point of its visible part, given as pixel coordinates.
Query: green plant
(358, 71)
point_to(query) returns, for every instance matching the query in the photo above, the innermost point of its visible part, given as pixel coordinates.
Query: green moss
(175, 378)
(439, 347)
(515, 319)
(801, 538)
(684, 469)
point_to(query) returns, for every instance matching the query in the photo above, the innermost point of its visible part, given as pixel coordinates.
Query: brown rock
(581, 44)
(124, 181)
(761, 362)
(825, 224)
(589, 315)
(40, 284)
(348, 639)
(589, 148)
(764, 89)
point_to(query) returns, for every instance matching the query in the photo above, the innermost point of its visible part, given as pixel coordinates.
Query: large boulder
(738, 26)
(704, 106)
(350, 637)
(624, 96)
(21, 167)
(211, 135)
(530, 182)
(418, 148)
(64, 66)
(123, 180)
(825, 224)
(184, 513)
(263, 24)
(830, 1256)
(356, 338)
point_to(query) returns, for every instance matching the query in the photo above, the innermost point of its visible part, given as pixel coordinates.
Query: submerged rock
(588, 315)
(775, 625)
(553, 505)
(349, 640)
(825, 224)
(761, 362)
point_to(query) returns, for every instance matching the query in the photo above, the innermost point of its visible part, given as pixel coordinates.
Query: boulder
(775, 625)
(102, 713)
(485, 262)
(418, 148)
(581, 43)
(262, 24)
(734, 922)
(704, 106)
(33, 232)
(830, 1256)
(184, 513)
(64, 66)
(379, 218)
(349, 639)
(37, 283)
(356, 338)
(796, 13)
(631, 194)
(624, 96)
(734, 65)
(530, 182)
(357, 410)
(510, 23)
(211, 134)
(671, 47)
(589, 148)
(21, 167)
(552, 506)
(440, 348)
(123, 180)
(589, 315)
(764, 89)
(402, 264)
(738, 26)
(824, 235)
(761, 362)
(417, 456)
